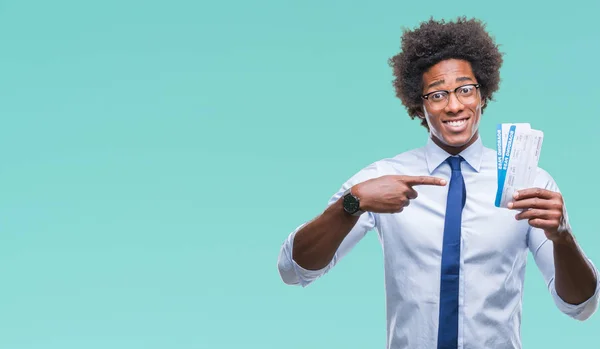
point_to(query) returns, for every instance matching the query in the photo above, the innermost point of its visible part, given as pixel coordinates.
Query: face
(453, 126)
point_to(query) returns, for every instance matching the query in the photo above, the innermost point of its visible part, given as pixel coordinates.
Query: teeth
(456, 123)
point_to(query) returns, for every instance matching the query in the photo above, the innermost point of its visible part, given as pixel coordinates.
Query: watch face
(351, 204)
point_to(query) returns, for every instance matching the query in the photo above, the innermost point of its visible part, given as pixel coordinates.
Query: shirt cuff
(305, 276)
(290, 271)
(581, 311)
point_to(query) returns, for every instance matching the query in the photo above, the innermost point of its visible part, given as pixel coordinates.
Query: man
(454, 262)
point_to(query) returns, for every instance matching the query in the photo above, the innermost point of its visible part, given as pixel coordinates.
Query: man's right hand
(390, 194)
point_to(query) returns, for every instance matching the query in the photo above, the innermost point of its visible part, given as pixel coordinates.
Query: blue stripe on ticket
(504, 166)
(499, 146)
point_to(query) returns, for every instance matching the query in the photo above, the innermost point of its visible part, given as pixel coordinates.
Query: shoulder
(402, 163)
(412, 156)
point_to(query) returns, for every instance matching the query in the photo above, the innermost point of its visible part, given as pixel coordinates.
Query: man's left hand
(543, 208)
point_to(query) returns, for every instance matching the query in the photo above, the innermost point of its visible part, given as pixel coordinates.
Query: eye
(466, 90)
(438, 96)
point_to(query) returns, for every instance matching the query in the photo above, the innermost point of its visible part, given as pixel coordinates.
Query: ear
(481, 106)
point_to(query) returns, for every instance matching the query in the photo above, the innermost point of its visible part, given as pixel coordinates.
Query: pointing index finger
(423, 180)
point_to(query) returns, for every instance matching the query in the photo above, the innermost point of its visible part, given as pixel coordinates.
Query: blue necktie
(448, 321)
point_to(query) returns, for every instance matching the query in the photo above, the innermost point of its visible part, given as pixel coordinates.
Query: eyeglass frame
(426, 96)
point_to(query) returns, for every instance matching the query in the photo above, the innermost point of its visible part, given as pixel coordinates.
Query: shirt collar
(435, 155)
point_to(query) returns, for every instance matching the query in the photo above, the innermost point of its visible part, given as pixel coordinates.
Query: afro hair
(435, 41)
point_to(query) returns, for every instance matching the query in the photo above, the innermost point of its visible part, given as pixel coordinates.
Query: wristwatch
(351, 203)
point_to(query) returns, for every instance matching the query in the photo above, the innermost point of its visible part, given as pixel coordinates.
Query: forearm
(316, 243)
(575, 281)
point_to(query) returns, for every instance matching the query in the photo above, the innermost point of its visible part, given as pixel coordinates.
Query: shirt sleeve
(543, 253)
(292, 273)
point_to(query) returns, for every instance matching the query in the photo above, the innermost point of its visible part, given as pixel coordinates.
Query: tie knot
(454, 162)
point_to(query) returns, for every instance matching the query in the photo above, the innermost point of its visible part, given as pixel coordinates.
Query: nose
(454, 106)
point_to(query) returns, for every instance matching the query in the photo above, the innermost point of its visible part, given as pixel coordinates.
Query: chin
(457, 140)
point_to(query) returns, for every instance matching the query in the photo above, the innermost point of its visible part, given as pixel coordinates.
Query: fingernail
(443, 181)
(516, 194)
(510, 205)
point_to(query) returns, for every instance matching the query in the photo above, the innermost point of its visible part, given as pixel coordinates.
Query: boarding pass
(518, 149)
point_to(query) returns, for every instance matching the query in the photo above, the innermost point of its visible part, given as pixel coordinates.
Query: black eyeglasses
(466, 94)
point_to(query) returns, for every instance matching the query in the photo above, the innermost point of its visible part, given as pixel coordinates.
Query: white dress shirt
(494, 247)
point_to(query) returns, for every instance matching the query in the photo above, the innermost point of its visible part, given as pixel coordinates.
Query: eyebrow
(439, 82)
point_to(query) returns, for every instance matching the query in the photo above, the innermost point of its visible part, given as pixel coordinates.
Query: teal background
(156, 154)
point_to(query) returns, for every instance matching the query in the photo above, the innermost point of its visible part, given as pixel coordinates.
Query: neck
(455, 150)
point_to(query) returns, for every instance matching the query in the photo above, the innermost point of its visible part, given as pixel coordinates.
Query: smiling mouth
(456, 123)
